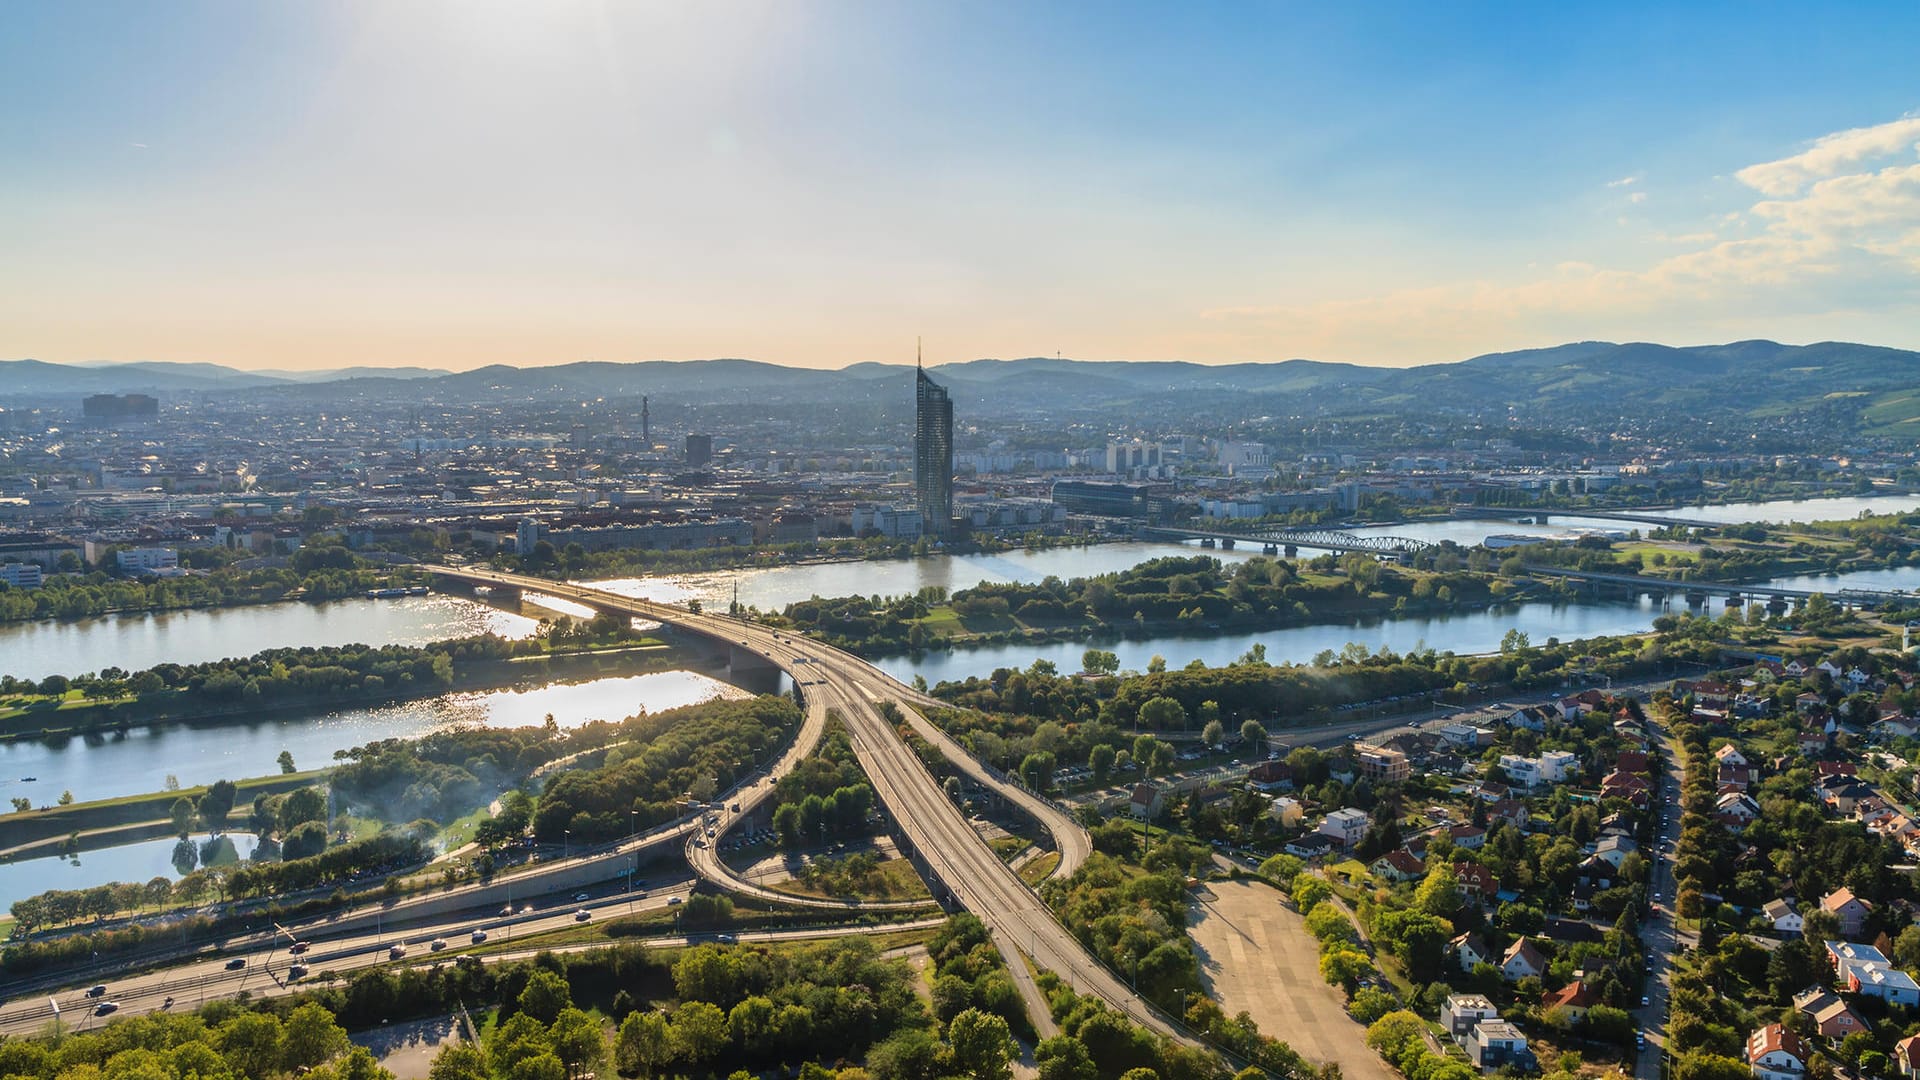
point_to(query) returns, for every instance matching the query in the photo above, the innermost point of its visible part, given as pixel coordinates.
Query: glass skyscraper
(932, 454)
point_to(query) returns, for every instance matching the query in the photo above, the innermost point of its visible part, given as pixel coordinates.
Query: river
(137, 862)
(138, 761)
(106, 766)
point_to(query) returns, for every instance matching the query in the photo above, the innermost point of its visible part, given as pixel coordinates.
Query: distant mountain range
(1863, 387)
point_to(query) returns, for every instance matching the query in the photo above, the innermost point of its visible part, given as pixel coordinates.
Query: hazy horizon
(453, 185)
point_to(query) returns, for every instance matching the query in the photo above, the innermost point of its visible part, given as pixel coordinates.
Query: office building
(699, 451)
(932, 454)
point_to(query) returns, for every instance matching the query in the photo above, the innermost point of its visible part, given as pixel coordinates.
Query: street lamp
(566, 844)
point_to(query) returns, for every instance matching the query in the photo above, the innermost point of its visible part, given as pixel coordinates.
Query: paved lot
(408, 1050)
(1256, 955)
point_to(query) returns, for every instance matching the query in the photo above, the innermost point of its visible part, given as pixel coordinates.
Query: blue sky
(453, 184)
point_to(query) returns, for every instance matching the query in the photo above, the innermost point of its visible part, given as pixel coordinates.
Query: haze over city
(450, 185)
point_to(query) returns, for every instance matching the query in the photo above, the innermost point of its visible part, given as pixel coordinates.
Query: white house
(1287, 810)
(1348, 826)
(1774, 1053)
(1494, 1043)
(1783, 918)
(1460, 1012)
(1730, 755)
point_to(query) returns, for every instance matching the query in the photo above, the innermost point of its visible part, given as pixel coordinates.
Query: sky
(410, 182)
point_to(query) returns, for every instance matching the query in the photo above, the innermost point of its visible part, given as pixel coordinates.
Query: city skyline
(458, 185)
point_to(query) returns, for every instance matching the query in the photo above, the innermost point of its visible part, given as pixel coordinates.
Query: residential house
(1521, 961)
(1906, 1055)
(1831, 1016)
(1313, 845)
(1730, 754)
(1615, 848)
(1511, 811)
(1477, 882)
(1633, 761)
(1146, 801)
(1534, 717)
(1863, 969)
(1734, 778)
(1467, 837)
(1849, 909)
(1575, 997)
(1382, 764)
(1464, 735)
(1287, 810)
(1633, 787)
(1469, 950)
(1460, 1012)
(1736, 810)
(1809, 703)
(1494, 1043)
(1271, 776)
(1782, 917)
(1398, 865)
(1346, 826)
(1774, 1053)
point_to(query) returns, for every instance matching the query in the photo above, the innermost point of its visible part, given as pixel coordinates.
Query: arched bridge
(1275, 541)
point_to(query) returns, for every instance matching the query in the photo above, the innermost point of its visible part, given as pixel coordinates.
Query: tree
(983, 1046)
(1099, 662)
(251, 1043)
(459, 1061)
(545, 1065)
(1100, 760)
(643, 1045)
(545, 996)
(182, 814)
(1344, 966)
(1162, 714)
(66, 798)
(1214, 733)
(699, 1032)
(786, 822)
(217, 803)
(312, 1037)
(951, 996)
(1037, 772)
(286, 762)
(307, 839)
(1702, 1066)
(1439, 894)
(1064, 1057)
(1254, 734)
(577, 1041)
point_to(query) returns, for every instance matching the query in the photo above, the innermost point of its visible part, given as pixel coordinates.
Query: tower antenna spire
(918, 361)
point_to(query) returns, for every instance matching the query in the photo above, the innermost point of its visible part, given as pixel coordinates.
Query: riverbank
(72, 719)
(46, 831)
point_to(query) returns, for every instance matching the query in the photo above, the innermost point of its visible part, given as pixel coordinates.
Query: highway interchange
(962, 869)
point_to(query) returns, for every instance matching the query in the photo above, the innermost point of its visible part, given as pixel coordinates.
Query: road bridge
(1286, 541)
(937, 835)
(1860, 598)
(1541, 517)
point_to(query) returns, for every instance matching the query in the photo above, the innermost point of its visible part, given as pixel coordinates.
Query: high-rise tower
(932, 451)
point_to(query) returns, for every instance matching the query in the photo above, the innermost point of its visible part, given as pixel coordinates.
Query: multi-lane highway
(945, 843)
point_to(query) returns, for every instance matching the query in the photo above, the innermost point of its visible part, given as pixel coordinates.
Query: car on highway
(579, 898)
(1639, 1040)
(1645, 1001)
(397, 952)
(105, 1007)
(479, 936)
(299, 947)
(297, 971)
(236, 963)
(725, 939)
(674, 901)
(97, 991)
(506, 911)
(438, 944)
(583, 915)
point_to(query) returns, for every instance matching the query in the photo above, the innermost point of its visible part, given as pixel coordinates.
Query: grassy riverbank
(117, 821)
(70, 713)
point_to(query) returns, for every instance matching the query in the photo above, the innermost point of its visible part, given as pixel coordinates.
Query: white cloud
(1829, 154)
(1637, 197)
(1828, 244)
(1625, 181)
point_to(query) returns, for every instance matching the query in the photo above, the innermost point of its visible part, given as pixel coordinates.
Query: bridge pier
(745, 663)
(1270, 549)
